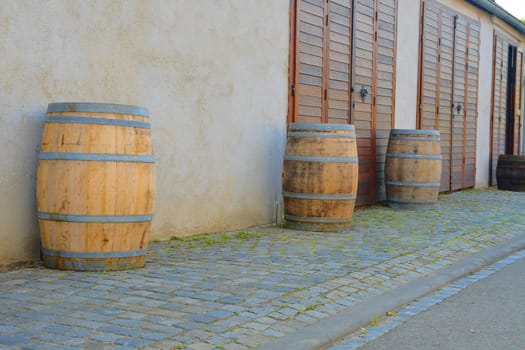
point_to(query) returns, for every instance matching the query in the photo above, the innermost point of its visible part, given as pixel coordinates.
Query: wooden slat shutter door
(459, 110)
(310, 60)
(499, 101)
(517, 102)
(362, 115)
(333, 62)
(449, 79)
(339, 53)
(429, 78)
(323, 60)
(445, 98)
(471, 105)
(384, 89)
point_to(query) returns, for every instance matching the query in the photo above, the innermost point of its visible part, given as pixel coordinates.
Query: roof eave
(498, 11)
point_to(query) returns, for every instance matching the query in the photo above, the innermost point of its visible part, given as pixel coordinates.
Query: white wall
(213, 75)
(407, 63)
(484, 101)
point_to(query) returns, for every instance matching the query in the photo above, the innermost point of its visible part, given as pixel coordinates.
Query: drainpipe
(498, 11)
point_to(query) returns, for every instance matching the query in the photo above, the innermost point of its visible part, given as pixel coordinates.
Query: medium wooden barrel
(320, 176)
(95, 185)
(510, 173)
(413, 168)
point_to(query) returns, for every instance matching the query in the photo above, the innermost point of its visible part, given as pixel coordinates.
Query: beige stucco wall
(407, 63)
(484, 101)
(213, 75)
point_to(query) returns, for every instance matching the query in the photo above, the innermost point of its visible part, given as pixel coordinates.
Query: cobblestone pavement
(238, 290)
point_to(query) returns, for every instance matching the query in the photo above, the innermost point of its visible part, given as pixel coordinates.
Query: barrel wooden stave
(94, 211)
(510, 173)
(413, 168)
(319, 194)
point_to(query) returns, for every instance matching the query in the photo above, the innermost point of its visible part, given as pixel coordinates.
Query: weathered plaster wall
(407, 63)
(484, 101)
(213, 75)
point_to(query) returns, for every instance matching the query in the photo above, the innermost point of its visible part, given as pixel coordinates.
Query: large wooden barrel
(320, 176)
(510, 173)
(413, 168)
(95, 185)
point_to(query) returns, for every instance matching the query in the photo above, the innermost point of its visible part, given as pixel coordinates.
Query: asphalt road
(487, 315)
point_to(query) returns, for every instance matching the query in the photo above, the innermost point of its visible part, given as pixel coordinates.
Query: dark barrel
(510, 173)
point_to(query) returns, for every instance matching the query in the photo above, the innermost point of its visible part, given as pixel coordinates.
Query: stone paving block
(15, 339)
(201, 346)
(230, 299)
(156, 336)
(189, 325)
(119, 330)
(202, 318)
(220, 314)
(8, 329)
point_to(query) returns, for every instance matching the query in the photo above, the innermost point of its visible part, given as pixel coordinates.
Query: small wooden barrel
(510, 173)
(320, 176)
(413, 168)
(95, 185)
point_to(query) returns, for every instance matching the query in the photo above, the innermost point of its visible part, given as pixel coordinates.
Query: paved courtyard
(239, 290)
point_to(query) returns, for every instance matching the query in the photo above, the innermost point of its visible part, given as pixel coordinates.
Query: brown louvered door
(435, 93)
(374, 86)
(321, 90)
(499, 99)
(339, 55)
(384, 86)
(445, 99)
(510, 140)
(519, 103)
(471, 104)
(310, 59)
(342, 71)
(448, 90)
(363, 113)
(458, 110)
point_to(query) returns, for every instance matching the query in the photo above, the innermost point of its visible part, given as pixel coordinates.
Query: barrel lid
(319, 126)
(413, 131)
(87, 107)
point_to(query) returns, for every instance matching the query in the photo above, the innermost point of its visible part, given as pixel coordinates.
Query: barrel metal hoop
(319, 196)
(428, 139)
(82, 107)
(317, 220)
(413, 184)
(414, 132)
(96, 157)
(414, 156)
(93, 255)
(94, 218)
(318, 126)
(321, 135)
(100, 121)
(410, 200)
(321, 159)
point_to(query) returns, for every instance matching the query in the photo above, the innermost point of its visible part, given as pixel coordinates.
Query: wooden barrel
(95, 185)
(413, 168)
(320, 176)
(510, 173)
